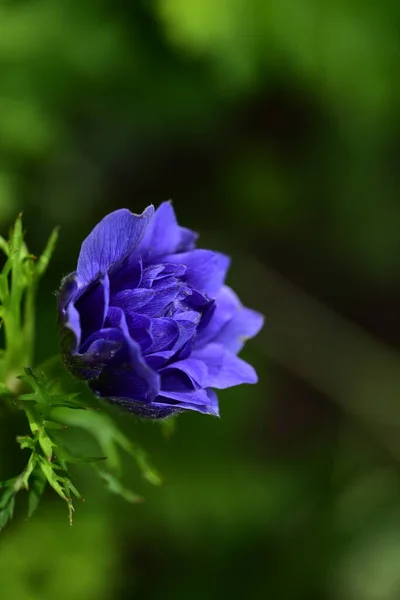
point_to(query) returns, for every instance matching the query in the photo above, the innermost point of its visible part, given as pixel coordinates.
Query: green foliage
(19, 280)
(48, 415)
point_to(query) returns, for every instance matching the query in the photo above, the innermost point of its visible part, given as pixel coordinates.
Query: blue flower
(147, 320)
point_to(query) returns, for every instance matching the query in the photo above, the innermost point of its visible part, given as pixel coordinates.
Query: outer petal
(245, 324)
(68, 289)
(224, 368)
(92, 307)
(99, 350)
(231, 323)
(110, 242)
(164, 235)
(68, 316)
(194, 372)
(203, 401)
(225, 306)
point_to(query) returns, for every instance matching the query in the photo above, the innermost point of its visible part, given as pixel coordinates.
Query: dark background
(274, 127)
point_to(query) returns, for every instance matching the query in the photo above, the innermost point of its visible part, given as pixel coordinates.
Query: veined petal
(164, 235)
(132, 300)
(110, 242)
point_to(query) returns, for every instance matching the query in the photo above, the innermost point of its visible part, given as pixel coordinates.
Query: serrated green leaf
(52, 478)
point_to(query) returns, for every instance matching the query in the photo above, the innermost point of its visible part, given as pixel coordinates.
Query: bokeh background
(274, 127)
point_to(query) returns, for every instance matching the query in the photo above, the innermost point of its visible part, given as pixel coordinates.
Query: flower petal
(206, 270)
(132, 300)
(110, 242)
(137, 363)
(164, 333)
(194, 370)
(231, 323)
(92, 307)
(245, 324)
(164, 235)
(198, 400)
(224, 368)
(128, 275)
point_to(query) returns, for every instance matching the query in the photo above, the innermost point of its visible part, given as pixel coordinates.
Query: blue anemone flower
(147, 320)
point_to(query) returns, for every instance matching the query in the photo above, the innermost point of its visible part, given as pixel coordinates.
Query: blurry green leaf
(115, 486)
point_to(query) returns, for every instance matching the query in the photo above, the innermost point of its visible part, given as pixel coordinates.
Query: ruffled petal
(231, 323)
(206, 270)
(194, 373)
(224, 368)
(245, 324)
(110, 242)
(164, 334)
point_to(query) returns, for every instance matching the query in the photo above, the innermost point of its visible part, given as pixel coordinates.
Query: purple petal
(157, 360)
(206, 270)
(195, 371)
(163, 297)
(71, 330)
(110, 242)
(164, 333)
(137, 363)
(128, 275)
(245, 324)
(121, 383)
(164, 235)
(150, 273)
(68, 289)
(198, 400)
(224, 368)
(132, 300)
(102, 346)
(139, 328)
(226, 304)
(188, 240)
(92, 307)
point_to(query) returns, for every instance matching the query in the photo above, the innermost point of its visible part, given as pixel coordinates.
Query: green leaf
(115, 486)
(38, 486)
(47, 253)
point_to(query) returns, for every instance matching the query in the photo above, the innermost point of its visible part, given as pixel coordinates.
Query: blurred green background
(274, 127)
